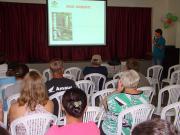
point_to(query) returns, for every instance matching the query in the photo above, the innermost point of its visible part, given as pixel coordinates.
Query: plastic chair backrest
(155, 71)
(97, 79)
(94, 114)
(87, 86)
(69, 76)
(35, 124)
(3, 69)
(175, 77)
(58, 97)
(47, 75)
(148, 91)
(172, 69)
(101, 95)
(117, 76)
(111, 84)
(174, 95)
(138, 113)
(10, 100)
(74, 71)
(176, 107)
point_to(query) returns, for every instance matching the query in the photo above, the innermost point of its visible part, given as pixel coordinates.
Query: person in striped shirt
(125, 96)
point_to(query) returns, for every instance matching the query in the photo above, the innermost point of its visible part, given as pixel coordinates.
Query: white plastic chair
(111, 84)
(3, 69)
(33, 69)
(175, 77)
(35, 124)
(148, 91)
(138, 113)
(97, 79)
(69, 76)
(174, 94)
(170, 70)
(155, 72)
(117, 76)
(10, 100)
(94, 114)
(101, 95)
(74, 71)
(47, 75)
(58, 98)
(87, 86)
(176, 108)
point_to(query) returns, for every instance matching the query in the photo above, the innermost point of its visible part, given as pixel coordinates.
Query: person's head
(130, 79)
(3, 131)
(154, 127)
(21, 70)
(74, 102)
(11, 68)
(33, 91)
(96, 60)
(158, 32)
(56, 66)
(132, 64)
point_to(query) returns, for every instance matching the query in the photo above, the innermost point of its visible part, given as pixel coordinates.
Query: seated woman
(96, 66)
(125, 96)
(74, 103)
(33, 99)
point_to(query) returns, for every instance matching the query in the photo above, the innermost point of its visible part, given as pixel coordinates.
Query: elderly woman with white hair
(125, 96)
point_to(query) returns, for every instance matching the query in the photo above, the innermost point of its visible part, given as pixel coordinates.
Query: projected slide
(76, 22)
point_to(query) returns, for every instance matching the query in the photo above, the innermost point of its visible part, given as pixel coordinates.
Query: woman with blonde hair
(33, 98)
(125, 96)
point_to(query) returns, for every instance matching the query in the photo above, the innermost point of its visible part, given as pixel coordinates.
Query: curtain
(23, 34)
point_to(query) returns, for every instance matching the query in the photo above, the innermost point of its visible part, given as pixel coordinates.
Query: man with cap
(58, 83)
(96, 66)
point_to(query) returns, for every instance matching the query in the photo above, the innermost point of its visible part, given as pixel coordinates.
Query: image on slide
(62, 26)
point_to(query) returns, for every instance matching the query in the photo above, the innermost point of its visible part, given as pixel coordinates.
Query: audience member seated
(154, 127)
(33, 99)
(20, 71)
(125, 96)
(134, 64)
(74, 103)
(58, 82)
(96, 66)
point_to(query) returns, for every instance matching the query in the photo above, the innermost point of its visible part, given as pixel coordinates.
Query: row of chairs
(139, 113)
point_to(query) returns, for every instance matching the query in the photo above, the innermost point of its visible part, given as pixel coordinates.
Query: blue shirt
(159, 48)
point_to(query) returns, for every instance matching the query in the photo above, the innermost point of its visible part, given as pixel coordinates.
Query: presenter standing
(158, 47)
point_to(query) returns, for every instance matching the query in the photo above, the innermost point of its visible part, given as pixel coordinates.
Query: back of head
(21, 70)
(96, 60)
(56, 66)
(3, 131)
(154, 127)
(132, 64)
(33, 91)
(74, 102)
(130, 79)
